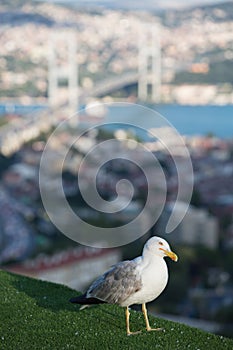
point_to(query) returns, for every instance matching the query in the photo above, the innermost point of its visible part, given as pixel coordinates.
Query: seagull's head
(160, 247)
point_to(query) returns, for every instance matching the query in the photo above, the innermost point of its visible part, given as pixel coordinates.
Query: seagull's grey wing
(117, 284)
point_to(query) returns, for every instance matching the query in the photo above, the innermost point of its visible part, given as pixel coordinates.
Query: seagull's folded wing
(117, 284)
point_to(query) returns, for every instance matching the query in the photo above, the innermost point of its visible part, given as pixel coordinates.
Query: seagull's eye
(160, 243)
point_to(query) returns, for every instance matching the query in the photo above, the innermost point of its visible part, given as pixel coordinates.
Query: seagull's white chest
(154, 277)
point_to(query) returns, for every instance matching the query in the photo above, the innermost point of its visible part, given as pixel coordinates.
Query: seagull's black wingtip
(83, 300)
(77, 300)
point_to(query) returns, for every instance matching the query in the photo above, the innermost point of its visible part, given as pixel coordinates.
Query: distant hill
(219, 12)
(18, 17)
(12, 4)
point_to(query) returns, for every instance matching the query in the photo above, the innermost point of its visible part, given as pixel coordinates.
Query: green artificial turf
(37, 315)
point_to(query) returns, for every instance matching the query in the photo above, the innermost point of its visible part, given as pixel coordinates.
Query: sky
(145, 4)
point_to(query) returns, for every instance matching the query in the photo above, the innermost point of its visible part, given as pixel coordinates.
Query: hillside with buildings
(196, 48)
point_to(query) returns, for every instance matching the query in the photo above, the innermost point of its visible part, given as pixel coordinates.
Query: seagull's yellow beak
(170, 254)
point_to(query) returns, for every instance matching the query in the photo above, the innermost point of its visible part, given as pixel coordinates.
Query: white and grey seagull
(136, 281)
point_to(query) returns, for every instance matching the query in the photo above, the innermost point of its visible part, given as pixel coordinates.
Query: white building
(76, 267)
(198, 227)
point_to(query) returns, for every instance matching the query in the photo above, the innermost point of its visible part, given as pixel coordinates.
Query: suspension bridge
(147, 77)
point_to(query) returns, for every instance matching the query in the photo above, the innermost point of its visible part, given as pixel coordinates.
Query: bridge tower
(149, 63)
(63, 66)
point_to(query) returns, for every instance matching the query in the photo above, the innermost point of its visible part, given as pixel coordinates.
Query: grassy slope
(37, 315)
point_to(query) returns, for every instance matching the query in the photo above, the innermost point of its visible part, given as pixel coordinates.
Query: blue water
(188, 120)
(192, 120)
(9, 108)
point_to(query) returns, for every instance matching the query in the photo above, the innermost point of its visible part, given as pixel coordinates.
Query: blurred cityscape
(194, 66)
(196, 47)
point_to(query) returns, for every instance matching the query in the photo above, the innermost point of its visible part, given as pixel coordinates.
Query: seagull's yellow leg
(127, 314)
(148, 327)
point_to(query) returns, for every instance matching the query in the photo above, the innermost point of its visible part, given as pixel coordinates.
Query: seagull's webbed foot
(133, 333)
(149, 329)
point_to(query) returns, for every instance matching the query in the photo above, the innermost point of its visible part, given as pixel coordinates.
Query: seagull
(129, 282)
